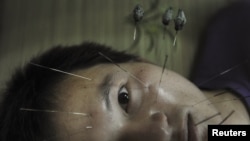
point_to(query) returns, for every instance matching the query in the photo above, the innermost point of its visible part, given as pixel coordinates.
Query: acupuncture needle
(57, 70)
(53, 111)
(123, 69)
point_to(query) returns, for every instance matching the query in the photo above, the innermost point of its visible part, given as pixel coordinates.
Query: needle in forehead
(53, 111)
(57, 70)
(163, 68)
(130, 74)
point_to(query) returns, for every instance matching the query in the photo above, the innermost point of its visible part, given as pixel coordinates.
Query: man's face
(131, 105)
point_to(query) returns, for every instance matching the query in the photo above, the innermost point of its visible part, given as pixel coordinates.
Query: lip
(192, 129)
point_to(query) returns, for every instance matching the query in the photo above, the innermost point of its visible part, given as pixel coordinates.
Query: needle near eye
(130, 74)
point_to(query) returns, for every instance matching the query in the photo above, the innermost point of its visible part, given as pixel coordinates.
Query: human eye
(123, 98)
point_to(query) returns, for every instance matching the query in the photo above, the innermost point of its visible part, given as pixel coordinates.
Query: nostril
(159, 116)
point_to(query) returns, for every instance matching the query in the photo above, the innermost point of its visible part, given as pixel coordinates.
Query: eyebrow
(105, 89)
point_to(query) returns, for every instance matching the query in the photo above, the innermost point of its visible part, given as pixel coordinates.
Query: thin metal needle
(53, 69)
(109, 59)
(134, 33)
(218, 94)
(175, 38)
(233, 99)
(229, 115)
(224, 72)
(208, 118)
(163, 69)
(53, 111)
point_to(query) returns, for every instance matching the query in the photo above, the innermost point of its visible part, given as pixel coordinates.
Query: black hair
(32, 87)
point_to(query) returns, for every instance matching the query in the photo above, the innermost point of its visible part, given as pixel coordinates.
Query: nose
(163, 109)
(159, 122)
(158, 117)
(157, 100)
(151, 128)
(157, 111)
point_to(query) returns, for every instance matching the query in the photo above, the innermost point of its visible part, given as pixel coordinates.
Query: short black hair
(32, 87)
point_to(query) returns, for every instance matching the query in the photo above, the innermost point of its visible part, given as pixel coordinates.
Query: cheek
(104, 122)
(167, 97)
(69, 127)
(183, 93)
(146, 131)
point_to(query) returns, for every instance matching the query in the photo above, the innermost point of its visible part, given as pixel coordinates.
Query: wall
(29, 27)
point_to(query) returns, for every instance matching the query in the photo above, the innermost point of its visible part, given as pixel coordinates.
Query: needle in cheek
(224, 72)
(218, 94)
(229, 115)
(228, 100)
(208, 118)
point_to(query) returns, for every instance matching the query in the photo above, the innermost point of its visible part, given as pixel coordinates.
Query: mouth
(192, 129)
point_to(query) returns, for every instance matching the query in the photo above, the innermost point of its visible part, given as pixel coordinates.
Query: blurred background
(29, 27)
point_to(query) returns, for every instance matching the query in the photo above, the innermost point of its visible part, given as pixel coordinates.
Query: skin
(155, 111)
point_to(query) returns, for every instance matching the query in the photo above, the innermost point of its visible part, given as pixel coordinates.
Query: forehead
(99, 72)
(143, 73)
(104, 73)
